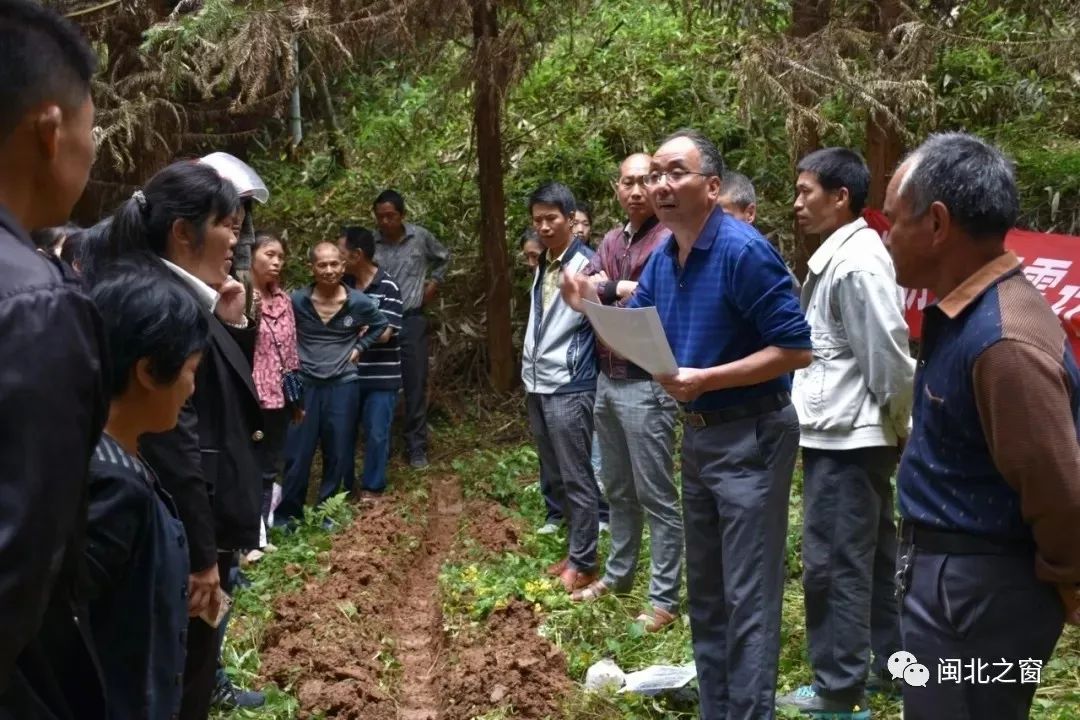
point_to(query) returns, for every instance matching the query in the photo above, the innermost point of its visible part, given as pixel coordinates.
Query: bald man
(335, 325)
(635, 421)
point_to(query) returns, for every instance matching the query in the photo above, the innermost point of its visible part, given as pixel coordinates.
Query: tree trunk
(884, 145)
(487, 117)
(807, 18)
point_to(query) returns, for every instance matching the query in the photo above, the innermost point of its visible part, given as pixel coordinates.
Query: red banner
(1051, 263)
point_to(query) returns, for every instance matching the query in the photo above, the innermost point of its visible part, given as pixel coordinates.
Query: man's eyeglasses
(673, 177)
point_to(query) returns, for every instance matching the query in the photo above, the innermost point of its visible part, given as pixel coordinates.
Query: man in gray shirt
(418, 263)
(334, 326)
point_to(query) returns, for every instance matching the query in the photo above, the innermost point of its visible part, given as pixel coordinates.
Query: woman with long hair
(275, 355)
(182, 220)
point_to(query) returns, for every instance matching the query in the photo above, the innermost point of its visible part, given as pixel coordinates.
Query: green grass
(476, 583)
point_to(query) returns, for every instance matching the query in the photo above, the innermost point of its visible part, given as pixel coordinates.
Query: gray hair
(972, 178)
(739, 189)
(712, 163)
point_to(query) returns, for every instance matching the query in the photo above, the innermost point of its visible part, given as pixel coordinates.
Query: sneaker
(549, 528)
(807, 701)
(605, 527)
(418, 461)
(229, 697)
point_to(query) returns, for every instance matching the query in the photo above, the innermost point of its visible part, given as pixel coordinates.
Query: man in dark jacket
(52, 402)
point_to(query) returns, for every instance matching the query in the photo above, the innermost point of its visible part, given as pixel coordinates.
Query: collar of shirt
(821, 257)
(409, 231)
(982, 280)
(557, 262)
(8, 221)
(274, 304)
(633, 237)
(705, 238)
(207, 295)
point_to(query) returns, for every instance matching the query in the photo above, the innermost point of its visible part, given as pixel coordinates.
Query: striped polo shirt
(380, 366)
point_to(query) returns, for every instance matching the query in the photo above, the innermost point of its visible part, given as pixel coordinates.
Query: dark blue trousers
(330, 413)
(970, 611)
(736, 485)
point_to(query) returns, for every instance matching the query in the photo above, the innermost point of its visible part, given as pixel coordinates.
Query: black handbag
(292, 386)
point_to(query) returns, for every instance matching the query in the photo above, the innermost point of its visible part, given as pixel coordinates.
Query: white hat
(240, 174)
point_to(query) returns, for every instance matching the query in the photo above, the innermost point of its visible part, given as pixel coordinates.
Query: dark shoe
(881, 683)
(808, 702)
(418, 461)
(229, 697)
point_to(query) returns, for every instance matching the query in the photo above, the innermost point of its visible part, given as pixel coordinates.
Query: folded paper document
(635, 334)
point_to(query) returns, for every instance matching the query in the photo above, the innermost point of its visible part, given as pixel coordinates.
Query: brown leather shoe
(558, 568)
(576, 580)
(656, 619)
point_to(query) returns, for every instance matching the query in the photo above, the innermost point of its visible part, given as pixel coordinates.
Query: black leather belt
(757, 406)
(948, 542)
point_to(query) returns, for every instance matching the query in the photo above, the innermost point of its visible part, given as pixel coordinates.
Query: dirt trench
(417, 623)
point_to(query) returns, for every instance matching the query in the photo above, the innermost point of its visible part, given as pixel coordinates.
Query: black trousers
(200, 670)
(986, 616)
(849, 563)
(271, 453)
(414, 375)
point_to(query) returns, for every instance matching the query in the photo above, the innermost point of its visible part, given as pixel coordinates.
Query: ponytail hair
(142, 224)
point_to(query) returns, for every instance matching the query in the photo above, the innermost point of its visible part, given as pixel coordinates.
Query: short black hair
(359, 238)
(147, 315)
(836, 168)
(970, 177)
(43, 57)
(48, 238)
(556, 194)
(390, 196)
(583, 207)
(712, 162)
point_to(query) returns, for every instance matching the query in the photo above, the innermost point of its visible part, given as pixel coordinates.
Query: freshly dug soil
(326, 638)
(504, 662)
(488, 525)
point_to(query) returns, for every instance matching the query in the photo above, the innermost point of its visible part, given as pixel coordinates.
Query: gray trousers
(414, 374)
(635, 423)
(562, 426)
(987, 614)
(736, 486)
(849, 565)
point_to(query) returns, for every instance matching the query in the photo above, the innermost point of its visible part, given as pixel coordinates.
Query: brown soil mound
(326, 639)
(489, 527)
(504, 663)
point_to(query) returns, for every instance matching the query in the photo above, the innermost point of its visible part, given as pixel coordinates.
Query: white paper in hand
(635, 334)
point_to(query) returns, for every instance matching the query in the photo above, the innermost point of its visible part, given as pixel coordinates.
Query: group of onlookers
(157, 381)
(989, 488)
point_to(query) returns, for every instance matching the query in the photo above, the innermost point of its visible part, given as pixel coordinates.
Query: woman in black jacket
(183, 220)
(136, 549)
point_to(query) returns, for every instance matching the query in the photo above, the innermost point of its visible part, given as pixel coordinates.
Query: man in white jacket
(854, 405)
